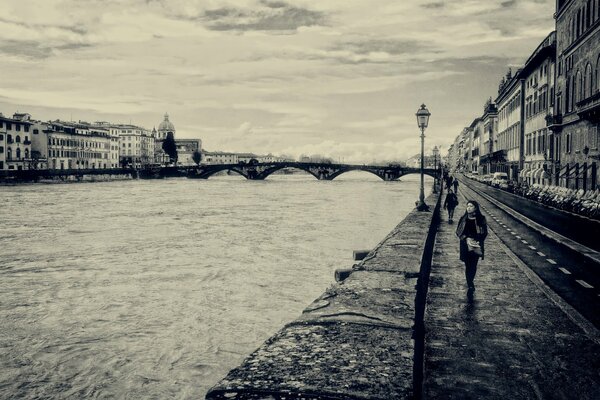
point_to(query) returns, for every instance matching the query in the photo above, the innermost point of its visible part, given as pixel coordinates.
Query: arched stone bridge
(321, 171)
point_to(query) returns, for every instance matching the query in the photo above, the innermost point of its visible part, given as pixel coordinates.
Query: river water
(156, 289)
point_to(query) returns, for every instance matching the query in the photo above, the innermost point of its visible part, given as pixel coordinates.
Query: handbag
(474, 247)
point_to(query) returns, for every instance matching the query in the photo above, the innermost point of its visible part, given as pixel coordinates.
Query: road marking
(551, 261)
(512, 233)
(532, 248)
(565, 271)
(524, 241)
(584, 284)
(541, 254)
(518, 237)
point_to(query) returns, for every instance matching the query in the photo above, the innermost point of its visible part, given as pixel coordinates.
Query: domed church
(164, 128)
(185, 147)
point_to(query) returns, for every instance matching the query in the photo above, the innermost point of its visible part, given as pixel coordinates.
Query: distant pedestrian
(448, 182)
(450, 204)
(455, 183)
(472, 231)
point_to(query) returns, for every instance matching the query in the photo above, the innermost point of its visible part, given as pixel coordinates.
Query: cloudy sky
(341, 78)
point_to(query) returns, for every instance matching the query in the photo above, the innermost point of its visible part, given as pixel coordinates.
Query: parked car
(500, 180)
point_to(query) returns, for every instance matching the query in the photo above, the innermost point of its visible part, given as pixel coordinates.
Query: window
(26, 128)
(1, 137)
(17, 127)
(1, 149)
(36, 131)
(588, 81)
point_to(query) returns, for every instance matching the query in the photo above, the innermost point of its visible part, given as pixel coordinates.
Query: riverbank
(357, 340)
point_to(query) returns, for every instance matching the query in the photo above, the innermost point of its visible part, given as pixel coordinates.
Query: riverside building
(489, 158)
(15, 142)
(136, 145)
(71, 145)
(475, 130)
(510, 123)
(538, 77)
(577, 109)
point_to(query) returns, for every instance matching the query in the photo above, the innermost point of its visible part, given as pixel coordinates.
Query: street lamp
(435, 152)
(422, 120)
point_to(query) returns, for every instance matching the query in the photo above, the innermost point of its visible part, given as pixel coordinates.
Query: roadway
(560, 247)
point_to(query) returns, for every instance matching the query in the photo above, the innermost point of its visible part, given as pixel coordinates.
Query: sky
(337, 78)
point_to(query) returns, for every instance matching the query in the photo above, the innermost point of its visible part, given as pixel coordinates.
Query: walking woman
(472, 231)
(450, 204)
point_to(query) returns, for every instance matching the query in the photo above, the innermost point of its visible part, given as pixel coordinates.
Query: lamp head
(423, 117)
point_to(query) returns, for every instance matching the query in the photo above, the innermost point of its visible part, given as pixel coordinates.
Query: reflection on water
(155, 289)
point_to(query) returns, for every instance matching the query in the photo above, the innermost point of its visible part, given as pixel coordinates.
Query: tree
(170, 147)
(197, 157)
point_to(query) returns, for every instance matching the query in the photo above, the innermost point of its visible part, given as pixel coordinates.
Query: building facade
(577, 108)
(15, 142)
(220, 157)
(77, 145)
(186, 149)
(538, 77)
(489, 157)
(475, 131)
(510, 123)
(135, 145)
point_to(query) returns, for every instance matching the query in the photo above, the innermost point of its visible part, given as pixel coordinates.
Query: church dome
(166, 125)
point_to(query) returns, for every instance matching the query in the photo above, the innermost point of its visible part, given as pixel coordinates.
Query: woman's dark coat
(451, 201)
(482, 232)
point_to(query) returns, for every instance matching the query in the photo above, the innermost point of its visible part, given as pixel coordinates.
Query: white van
(500, 179)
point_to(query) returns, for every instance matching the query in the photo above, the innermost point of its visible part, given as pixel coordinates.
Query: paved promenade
(509, 341)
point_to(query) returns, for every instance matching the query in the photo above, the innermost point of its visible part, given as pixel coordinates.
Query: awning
(536, 173)
(525, 172)
(541, 174)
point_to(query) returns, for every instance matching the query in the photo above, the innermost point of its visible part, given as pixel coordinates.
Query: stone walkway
(509, 341)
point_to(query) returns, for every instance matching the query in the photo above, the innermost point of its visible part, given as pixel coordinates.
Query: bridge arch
(276, 168)
(425, 172)
(214, 169)
(344, 170)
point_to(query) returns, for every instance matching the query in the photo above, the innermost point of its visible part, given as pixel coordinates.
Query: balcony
(589, 108)
(27, 142)
(553, 121)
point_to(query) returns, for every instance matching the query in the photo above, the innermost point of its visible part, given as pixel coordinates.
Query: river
(155, 289)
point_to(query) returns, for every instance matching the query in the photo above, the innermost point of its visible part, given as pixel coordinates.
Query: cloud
(435, 5)
(336, 77)
(244, 129)
(36, 50)
(273, 17)
(266, 16)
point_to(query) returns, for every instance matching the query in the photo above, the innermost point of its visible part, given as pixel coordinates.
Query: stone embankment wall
(360, 339)
(57, 176)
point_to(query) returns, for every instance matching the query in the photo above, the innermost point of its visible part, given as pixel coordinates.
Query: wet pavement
(511, 339)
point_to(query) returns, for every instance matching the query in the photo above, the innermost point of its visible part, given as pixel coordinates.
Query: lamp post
(422, 120)
(436, 182)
